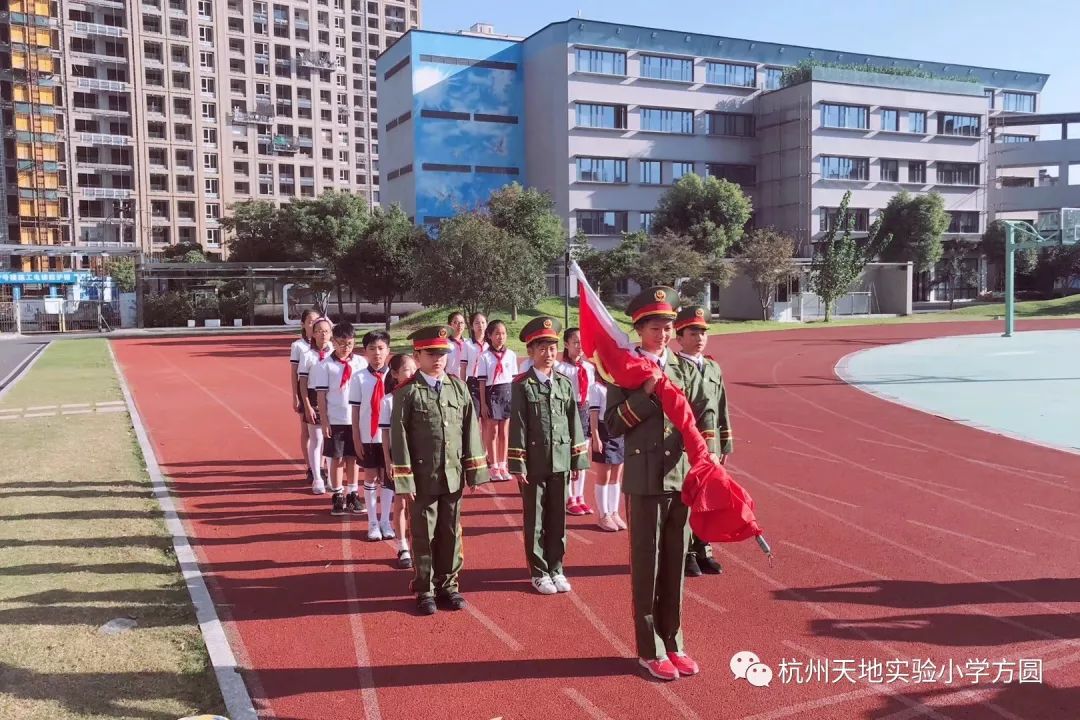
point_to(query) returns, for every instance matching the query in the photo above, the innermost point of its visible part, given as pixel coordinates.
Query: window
(916, 121)
(772, 78)
(951, 173)
(211, 185)
(206, 34)
(953, 124)
(667, 121)
(209, 136)
(738, 174)
(963, 221)
(834, 167)
(207, 85)
(845, 116)
(890, 171)
(612, 117)
(601, 170)
(678, 169)
(605, 62)
(858, 217)
(213, 237)
(1010, 138)
(733, 124)
(657, 67)
(209, 161)
(721, 73)
(916, 171)
(890, 119)
(602, 222)
(1017, 102)
(209, 111)
(206, 60)
(989, 93)
(645, 220)
(649, 172)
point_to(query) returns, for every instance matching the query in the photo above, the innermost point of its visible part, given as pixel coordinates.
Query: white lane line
(1052, 510)
(40, 414)
(110, 409)
(805, 455)
(9, 417)
(972, 538)
(799, 708)
(40, 407)
(106, 403)
(819, 497)
(704, 601)
(797, 427)
(368, 694)
(74, 405)
(838, 561)
(493, 627)
(583, 702)
(907, 448)
(87, 411)
(578, 537)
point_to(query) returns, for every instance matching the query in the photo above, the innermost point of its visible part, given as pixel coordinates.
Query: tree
(529, 214)
(916, 224)
(709, 211)
(325, 228)
(184, 253)
(1056, 262)
(663, 259)
(992, 246)
(838, 263)
(255, 234)
(765, 255)
(462, 266)
(381, 264)
(953, 272)
(122, 271)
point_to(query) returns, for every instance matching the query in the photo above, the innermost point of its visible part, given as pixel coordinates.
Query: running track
(899, 535)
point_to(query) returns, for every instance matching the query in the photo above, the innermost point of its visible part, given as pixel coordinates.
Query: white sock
(387, 499)
(369, 497)
(354, 487)
(314, 451)
(613, 498)
(403, 544)
(601, 493)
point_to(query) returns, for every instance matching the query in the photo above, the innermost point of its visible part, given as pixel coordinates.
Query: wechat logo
(747, 666)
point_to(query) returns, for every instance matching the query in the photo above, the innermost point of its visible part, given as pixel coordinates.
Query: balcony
(106, 85)
(104, 139)
(315, 61)
(244, 117)
(86, 29)
(107, 193)
(285, 144)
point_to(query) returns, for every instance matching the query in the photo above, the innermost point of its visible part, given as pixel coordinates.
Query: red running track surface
(899, 536)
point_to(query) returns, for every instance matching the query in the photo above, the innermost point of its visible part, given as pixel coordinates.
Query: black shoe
(309, 478)
(426, 605)
(404, 560)
(453, 600)
(354, 503)
(325, 475)
(337, 504)
(710, 566)
(692, 569)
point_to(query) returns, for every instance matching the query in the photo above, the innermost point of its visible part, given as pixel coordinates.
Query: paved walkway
(15, 351)
(1026, 386)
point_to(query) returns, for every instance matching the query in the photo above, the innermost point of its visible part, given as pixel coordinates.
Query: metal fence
(62, 316)
(808, 305)
(9, 317)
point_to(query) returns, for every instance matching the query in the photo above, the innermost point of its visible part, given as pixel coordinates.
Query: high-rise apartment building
(606, 116)
(163, 113)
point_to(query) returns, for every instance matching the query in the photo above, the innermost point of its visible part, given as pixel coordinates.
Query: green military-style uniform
(717, 421)
(546, 443)
(653, 471)
(435, 450)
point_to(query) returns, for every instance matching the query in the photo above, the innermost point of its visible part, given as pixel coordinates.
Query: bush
(235, 306)
(206, 306)
(171, 309)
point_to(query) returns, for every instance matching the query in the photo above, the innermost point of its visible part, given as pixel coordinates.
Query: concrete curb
(233, 690)
(20, 370)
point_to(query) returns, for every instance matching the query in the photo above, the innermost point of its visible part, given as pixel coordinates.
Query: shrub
(171, 309)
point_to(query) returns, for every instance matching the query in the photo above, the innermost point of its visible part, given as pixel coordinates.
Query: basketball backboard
(1060, 226)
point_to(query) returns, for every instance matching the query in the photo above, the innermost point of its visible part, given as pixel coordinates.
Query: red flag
(720, 509)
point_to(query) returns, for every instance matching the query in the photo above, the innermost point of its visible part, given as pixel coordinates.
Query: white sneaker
(544, 586)
(561, 583)
(374, 533)
(318, 487)
(387, 531)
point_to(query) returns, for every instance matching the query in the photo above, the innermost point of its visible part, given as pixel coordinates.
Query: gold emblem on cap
(442, 333)
(547, 324)
(700, 312)
(660, 295)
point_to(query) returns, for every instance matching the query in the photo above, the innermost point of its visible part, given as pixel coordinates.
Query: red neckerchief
(498, 363)
(377, 395)
(322, 350)
(346, 372)
(582, 380)
(459, 344)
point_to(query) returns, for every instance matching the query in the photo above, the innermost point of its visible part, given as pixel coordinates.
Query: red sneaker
(585, 509)
(660, 668)
(683, 663)
(573, 508)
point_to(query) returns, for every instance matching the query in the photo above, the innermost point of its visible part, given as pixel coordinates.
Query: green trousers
(659, 535)
(699, 548)
(435, 527)
(544, 503)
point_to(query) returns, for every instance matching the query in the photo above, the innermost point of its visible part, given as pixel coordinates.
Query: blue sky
(1036, 36)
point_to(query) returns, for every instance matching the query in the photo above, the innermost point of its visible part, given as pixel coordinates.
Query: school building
(606, 116)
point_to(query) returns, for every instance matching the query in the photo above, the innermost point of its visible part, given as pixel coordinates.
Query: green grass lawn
(82, 542)
(1060, 307)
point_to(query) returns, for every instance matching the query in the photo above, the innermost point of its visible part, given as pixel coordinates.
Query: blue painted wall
(460, 88)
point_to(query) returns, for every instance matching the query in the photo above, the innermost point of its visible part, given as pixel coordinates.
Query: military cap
(540, 328)
(435, 338)
(657, 301)
(691, 316)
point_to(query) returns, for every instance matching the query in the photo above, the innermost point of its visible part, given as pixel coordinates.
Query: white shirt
(598, 398)
(310, 359)
(386, 411)
(540, 374)
(662, 359)
(698, 360)
(488, 364)
(327, 376)
(458, 354)
(361, 388)
(473, 351)
(570, 370)
(297, 350)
